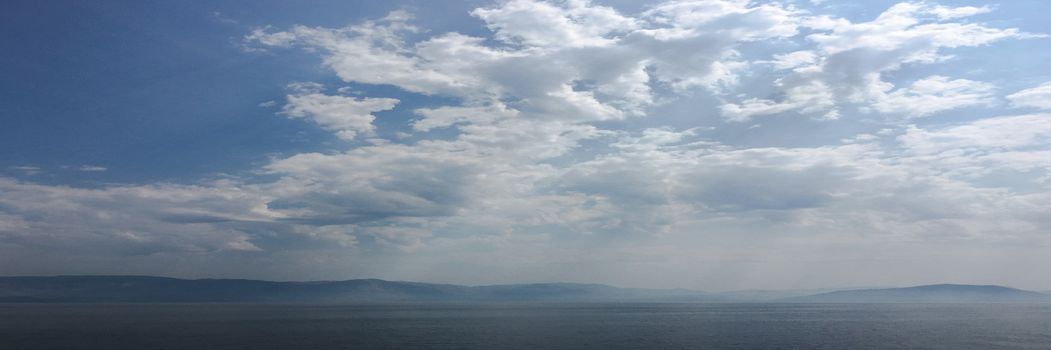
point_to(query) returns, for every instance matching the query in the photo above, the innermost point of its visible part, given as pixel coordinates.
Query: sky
(705, 144)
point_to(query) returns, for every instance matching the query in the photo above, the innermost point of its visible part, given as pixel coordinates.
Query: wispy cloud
(91, 168)
(26, 169)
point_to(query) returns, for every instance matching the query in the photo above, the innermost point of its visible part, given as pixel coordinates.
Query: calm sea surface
(525, 326)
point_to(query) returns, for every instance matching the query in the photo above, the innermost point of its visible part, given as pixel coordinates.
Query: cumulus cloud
(573, 59)
(347, 116)
(546, 148)
(536, 23)
(529, 161)
(849, 61)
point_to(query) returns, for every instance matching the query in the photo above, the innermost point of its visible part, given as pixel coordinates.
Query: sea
(525, 326)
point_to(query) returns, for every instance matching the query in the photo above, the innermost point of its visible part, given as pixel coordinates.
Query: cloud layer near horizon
(535, 171)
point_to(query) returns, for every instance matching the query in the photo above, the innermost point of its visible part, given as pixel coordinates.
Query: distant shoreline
(150, 289)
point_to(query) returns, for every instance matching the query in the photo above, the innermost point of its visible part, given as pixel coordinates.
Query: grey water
(526, 326)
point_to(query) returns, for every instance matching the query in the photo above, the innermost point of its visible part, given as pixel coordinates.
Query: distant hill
(147, 289)
(767, 295)
(161, 289)
(937, 293)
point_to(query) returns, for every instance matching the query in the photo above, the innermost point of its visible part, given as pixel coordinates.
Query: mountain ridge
(931, 293)
(137, 288)
(120, 288)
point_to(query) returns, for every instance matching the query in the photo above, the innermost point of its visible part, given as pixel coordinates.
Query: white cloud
(347, 116)
(447, 116)
(946, 13)
(811, 98)
(541, 24)
(849, 60)
(992, 134)
(92, 168)
(27, 169)
(1013, 147)
(551, 152)
(741, 20)
(370, 184)
(573, 59)
(794, 59)
(1036, 97)
(131, 220)
(904, 31)
(935, 94)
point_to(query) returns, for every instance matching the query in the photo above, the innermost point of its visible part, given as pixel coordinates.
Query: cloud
(815, 97)
(128, 220)
(1036, 97)
(541, 24)
(573, 59)
(552, 145)
(738, 19)
(448, 116)
(92, 168)
(369, 184)
(935, 94)
(347, 116)
(849, 60)
(1001, 133)
(972, 150)
(794, 59)
(26, 169)
(946, 13)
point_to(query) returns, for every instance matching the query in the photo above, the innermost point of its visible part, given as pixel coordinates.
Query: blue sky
(701, 144)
